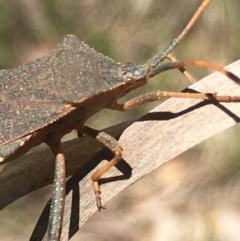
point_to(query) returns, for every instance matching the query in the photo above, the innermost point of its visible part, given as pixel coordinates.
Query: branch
(36, 170)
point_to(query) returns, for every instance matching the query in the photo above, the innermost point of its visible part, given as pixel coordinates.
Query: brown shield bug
(45, 99)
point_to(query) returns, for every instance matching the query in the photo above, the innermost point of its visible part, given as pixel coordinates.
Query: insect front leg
(190, 78)
(112, 144)
(58, 195)
(158, 95)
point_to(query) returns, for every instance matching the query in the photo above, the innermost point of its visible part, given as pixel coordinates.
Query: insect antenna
(158, 58)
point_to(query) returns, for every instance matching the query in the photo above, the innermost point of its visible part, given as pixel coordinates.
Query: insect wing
(35, 94)
(17, 148)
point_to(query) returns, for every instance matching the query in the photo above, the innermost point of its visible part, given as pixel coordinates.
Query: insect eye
(130, 80)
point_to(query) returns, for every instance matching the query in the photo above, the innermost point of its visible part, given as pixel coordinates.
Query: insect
(45, 99)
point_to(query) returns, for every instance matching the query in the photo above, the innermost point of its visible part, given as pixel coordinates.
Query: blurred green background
(133, 31)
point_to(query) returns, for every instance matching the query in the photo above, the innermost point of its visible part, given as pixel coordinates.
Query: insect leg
(176, 65)
(190, 78)
(158, 95)
(112, 144)
(58, 195)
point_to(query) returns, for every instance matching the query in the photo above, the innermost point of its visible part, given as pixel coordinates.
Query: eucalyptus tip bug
(60, 91)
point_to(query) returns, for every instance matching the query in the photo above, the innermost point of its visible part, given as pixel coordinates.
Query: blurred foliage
(127, 31)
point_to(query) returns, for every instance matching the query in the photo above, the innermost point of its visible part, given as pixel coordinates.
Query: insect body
(45, 99)
(54, 94)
